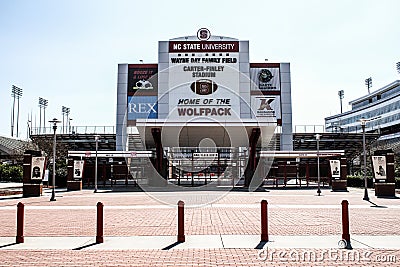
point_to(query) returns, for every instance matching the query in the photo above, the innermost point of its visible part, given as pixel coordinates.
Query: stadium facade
(205, 102)
(381, 108)
(201, 82)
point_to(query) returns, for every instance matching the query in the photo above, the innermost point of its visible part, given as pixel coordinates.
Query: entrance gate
(113, 167)
(299, 169)
(194, 166)
(220, 166)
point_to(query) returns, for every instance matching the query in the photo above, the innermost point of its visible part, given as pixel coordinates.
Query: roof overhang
(302, 154)
(191, 133)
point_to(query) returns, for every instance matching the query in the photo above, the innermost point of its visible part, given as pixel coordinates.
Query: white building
(381, 107)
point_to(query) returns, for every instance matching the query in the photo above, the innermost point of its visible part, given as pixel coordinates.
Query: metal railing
(74, 130)
(131, 130)
(309, 128)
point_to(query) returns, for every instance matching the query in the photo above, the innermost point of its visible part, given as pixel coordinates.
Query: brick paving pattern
(201, 221)
(201, 257)
(238, 213)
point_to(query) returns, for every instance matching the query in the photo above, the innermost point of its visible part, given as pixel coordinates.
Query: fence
(74, 130)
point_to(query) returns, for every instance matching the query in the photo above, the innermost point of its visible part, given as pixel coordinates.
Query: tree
(45, 144)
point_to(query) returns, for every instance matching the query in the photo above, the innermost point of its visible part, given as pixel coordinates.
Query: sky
(67, 51)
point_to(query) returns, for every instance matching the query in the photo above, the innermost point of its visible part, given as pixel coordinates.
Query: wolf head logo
(265, 76)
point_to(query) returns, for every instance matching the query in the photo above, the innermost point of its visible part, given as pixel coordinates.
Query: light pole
(341, 96)
(65, 112)
(53, 193)
(398, 67)
(368, 83)
(16, 93)
(69, 125)
(28, 131)
(96, 138)
(318, 137)
(43, 103)
(363, 121)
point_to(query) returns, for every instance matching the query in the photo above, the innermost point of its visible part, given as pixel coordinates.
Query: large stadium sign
(203, 79)
(204, 110)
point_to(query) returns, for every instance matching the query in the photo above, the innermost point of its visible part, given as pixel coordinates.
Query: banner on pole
(37, 168)
(379, 166)
(78, 169)
(335, 168)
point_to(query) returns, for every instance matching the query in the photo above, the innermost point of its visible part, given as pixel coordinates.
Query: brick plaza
(222, 233)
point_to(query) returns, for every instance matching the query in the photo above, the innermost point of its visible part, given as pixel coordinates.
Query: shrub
(11, 173)
(358, 181)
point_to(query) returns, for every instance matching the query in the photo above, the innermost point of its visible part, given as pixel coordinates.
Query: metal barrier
(264, 221)
(100, 224)
(345, 225)
(181, 221)
(343, 243)
(20, 223)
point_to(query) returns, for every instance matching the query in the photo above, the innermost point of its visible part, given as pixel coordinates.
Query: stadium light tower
(341, 96)
(16, 93)
(43, 103)
(65, 112)
(69, 125)
(368, 83)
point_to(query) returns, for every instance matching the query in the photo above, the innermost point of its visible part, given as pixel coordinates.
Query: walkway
(140, 230)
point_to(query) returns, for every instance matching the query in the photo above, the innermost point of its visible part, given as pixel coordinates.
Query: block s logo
(203, 34)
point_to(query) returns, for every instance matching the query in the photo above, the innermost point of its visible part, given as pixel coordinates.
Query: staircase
(388, 143)
(138, 167)
(135, 143)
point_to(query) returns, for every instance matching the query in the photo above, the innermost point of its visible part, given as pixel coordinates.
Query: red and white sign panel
(203, 46)
(204, 84)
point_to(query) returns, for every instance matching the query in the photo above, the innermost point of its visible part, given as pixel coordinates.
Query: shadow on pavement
(9, 198)
(172, 246)
(376, 205)
(261, 245)
(8, 245)
(85, 246)
(389, 197)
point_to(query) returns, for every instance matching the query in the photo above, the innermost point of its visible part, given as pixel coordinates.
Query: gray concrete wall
(244, 79)
(163, 82)
(122, 105)
(286, 101)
